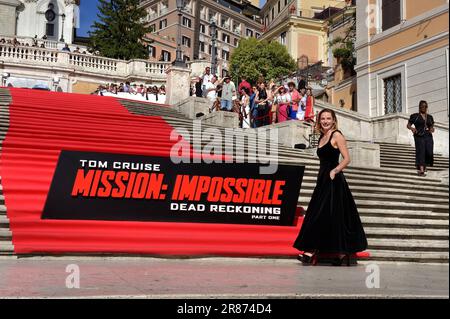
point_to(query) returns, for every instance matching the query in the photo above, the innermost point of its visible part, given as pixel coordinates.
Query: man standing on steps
(207, 76)
(228, 94)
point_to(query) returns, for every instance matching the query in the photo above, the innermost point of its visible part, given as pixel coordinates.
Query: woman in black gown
(422, 126)
(332, 226)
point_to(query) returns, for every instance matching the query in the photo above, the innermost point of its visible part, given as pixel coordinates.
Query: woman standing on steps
(423, 137)
(332, 225)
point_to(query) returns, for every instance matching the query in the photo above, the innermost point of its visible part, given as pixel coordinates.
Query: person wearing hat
(228, 94)
(283, 100)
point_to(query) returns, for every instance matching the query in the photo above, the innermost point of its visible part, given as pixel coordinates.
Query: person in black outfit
(332, 227)
(423, 137)
(301, 83)
(198, 88)
(263, 108)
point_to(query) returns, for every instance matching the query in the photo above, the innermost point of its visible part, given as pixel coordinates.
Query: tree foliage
(254, 59)
(343, 48)
(119, 32)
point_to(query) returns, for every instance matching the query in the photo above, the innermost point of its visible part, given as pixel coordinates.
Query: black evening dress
(331, 224)
(423, 139)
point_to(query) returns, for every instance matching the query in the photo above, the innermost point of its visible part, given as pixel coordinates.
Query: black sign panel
(100, 186)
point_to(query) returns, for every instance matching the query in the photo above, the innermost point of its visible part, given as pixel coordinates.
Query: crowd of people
(134, 89)
(257, 105)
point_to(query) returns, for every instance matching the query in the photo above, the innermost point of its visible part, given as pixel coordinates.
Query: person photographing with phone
(422, 126)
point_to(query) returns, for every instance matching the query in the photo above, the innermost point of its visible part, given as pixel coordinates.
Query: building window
(225, 38)
(354, 101)
(153, 27)
(186, 41)
(201, 46)
(224, 73)
(212, 16)
(236, 42)
(390, 13)
(273, 13)
(152, 51)
(257, 35)
(187, 22)
(165, 56)
(279, 6)
(249, 33)
(393, 94)
(285, 2)
(163, 24)
(50, 29)
(283, 38)
(186, 58)
(202, 28)
(225, 55)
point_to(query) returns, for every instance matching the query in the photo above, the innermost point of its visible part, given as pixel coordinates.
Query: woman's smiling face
(326, 121)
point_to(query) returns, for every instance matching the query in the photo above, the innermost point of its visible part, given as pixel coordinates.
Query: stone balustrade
(31, 57)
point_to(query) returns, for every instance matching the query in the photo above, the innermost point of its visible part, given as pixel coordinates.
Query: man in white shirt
(207, 76)
(210, 89)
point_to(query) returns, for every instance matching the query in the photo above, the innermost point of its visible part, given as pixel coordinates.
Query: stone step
(364, 203)
(387, 196)
(404, 222)
(381, 188)
(406, 233)
(5, 234)
(4, 221)
(409, 256)
(412, 166)
(408, 156)
(411, 214)
(6, 248)
(408, 245)
(409, 160)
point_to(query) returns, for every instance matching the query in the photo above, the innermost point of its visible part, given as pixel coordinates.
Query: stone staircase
(403, 156)
(406, 217)
(6, 247)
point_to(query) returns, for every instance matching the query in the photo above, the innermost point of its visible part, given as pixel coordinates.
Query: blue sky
(88, 14)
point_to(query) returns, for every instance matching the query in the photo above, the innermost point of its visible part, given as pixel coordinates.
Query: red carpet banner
(99, 186)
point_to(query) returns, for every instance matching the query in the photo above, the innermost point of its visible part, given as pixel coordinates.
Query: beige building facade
(299, 25)
(235, 19)
(402, 57)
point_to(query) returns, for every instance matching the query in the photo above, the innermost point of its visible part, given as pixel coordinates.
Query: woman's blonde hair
(318, 127)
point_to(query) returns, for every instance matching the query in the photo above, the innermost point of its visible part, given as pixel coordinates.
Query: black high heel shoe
(308, 258)
(340, 259)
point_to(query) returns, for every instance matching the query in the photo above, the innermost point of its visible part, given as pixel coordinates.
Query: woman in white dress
(245, 108)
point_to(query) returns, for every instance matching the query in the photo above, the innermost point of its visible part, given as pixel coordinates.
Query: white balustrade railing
(90, 62)
(32, 56)
(156, 67)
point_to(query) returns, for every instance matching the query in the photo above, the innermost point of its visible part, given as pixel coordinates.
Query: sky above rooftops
(88, 14)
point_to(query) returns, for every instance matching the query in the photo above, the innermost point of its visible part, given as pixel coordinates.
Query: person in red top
(244, 84)
(295, 97)
(309, 111)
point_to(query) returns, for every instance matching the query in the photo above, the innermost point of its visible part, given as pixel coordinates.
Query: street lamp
(179, 54)
(213, 29)
(63, 16)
